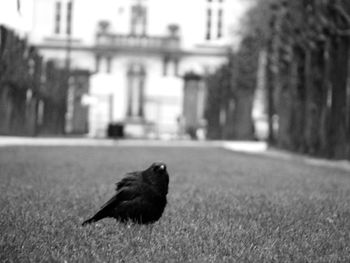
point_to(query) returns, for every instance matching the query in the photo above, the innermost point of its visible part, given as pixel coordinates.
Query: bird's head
(159, 168)
(157, 174)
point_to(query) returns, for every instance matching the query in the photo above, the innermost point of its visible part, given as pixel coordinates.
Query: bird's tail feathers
(99, 215)
(89, 221)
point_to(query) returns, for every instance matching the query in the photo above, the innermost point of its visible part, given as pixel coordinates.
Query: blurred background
(268, 70)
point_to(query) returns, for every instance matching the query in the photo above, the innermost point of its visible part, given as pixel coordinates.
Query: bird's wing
(124, 194)
(130, 179)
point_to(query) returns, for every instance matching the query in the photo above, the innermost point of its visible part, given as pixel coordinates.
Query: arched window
(138, 20)
(59, 23)
(57, 17)
(219, 28)
(214, 19)
(209, 18)
(136, 83)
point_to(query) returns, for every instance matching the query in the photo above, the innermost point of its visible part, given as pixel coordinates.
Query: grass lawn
(223, 207)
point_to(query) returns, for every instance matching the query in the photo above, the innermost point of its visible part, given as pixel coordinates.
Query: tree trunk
(243, 123)
(284, 104)
(298, 115)
(339, 70)
(271, 83)
(317, 99)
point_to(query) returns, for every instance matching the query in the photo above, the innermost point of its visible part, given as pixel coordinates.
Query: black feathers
(140, 197)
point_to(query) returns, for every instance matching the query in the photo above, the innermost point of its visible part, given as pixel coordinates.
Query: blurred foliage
(231, 91)
(219, 94)
(307, 42)
(306, 76)
(25, 82)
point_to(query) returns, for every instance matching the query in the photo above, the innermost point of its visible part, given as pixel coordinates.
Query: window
(219, 35)
(103, 64)
(97, 63)
(172, 63)
(214, 23)
(165, 66)
(109, 64)
(138, 20)
(208, 35)
(69, 17)
(136, 82)
(176, 67)
(19, 6)
(58, 17)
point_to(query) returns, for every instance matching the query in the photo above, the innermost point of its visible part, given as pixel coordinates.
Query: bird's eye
(159, 168)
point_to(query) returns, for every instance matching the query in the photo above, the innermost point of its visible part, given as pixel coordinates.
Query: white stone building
(146, 57)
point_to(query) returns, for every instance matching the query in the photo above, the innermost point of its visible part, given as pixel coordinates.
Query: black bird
(140, 197)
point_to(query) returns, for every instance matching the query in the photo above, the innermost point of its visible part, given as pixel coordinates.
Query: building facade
(146, 58)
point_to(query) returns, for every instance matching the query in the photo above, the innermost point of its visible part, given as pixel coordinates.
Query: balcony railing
(133, 42)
